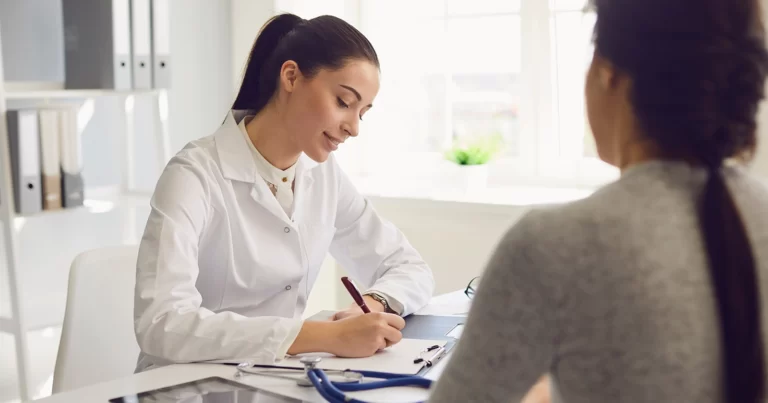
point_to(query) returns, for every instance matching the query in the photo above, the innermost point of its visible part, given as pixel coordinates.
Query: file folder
(141, 35)
(24, 143)
(161, 44)
(50, 123)
(72, 186)
(97, 44)
(432, 327)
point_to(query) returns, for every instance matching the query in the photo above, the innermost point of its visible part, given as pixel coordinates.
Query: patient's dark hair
(698, 69)
(325, 42)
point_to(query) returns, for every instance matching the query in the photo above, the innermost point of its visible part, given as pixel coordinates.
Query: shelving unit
(46, 91)
(18, 324)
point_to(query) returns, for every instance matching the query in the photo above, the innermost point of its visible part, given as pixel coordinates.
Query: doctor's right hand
(353, 337)
(364, 335)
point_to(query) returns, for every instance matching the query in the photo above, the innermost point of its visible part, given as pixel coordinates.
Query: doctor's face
(325, 110)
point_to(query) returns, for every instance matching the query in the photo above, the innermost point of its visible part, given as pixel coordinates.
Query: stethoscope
(333, 391)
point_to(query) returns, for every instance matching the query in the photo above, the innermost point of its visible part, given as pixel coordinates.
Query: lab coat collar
(235, 156)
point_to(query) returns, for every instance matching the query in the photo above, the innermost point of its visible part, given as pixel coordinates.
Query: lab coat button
(287, 230)
(287, 288)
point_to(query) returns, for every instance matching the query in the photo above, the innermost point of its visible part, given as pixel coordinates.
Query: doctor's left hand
(354, 310)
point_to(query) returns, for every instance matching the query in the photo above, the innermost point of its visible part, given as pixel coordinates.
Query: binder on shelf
(97, 44)
(141, 40)
(50, 123)
(72, 187)
(24, 144)
(161, 44)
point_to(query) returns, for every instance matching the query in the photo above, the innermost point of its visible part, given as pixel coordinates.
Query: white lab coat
(224, 273)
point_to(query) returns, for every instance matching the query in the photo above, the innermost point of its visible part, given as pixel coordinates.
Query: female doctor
(241, 220)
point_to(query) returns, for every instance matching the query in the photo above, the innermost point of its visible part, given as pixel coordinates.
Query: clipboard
(432, 327)
(422, 327)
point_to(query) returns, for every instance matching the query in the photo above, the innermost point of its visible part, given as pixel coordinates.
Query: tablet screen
(208, 390)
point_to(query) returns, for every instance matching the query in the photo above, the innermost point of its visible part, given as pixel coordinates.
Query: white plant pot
(470, 178)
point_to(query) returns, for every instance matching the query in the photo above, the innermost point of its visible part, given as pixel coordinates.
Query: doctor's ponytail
(322, 42)
(255, 90)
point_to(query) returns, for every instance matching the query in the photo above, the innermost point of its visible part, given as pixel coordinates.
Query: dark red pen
(355, 294)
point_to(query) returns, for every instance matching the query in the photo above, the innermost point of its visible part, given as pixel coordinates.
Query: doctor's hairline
(321, 43)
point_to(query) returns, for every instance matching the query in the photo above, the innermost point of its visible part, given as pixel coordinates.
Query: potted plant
(471, 157)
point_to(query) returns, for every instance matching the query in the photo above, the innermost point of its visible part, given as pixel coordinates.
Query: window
(571, 30)
(456, 69)
(483, 72)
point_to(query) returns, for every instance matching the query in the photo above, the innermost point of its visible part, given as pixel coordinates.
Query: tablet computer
(207, 390)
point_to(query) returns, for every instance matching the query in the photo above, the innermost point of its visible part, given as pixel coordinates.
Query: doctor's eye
(342, 103)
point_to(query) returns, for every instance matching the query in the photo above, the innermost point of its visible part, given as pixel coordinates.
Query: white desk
(455, 302)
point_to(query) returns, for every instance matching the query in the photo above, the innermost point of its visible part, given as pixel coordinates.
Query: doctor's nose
(350, 130)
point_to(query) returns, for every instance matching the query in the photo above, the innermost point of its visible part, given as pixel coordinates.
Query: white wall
(455, 239)
(247, 18)
(201, 71)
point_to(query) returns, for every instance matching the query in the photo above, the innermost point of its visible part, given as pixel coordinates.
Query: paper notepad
(397, 359)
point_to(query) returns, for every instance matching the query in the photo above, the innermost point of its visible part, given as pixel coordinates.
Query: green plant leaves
(475, 152)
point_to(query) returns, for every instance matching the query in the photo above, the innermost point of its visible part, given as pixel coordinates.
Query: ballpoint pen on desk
(355, 294)
(431, 360)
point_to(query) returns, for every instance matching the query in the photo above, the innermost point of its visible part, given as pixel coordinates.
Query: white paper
(454, 303)
(396, 359)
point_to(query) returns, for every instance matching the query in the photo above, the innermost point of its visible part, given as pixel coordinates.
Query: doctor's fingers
(391, 335)
(394, 320)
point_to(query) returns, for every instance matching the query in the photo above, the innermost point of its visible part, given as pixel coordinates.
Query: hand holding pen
(363, 334)
(355, 294)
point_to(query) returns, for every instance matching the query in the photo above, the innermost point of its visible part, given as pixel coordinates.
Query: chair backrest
(97, 338)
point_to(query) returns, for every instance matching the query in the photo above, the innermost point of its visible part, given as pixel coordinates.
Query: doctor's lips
(334, 140)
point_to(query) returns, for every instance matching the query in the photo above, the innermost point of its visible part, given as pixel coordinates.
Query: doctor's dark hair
(324, 42)
(698, 69)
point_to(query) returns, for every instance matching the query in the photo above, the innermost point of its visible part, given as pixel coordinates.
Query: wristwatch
(383, 301)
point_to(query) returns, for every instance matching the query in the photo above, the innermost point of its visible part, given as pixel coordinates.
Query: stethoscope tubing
(334, 392)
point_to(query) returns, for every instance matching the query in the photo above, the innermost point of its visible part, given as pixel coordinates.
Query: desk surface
(455, 302)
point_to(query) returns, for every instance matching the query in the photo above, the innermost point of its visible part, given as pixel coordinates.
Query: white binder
(97, 44)
(72, 187)
(161, 44)
(142, 44)
(24, 143)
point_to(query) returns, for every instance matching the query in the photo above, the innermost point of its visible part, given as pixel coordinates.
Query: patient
(651, 289)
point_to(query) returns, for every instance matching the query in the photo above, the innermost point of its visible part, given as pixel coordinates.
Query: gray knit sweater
(610, 295)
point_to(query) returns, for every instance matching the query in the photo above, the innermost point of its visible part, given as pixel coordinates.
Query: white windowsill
(503, 196)
(510, 182)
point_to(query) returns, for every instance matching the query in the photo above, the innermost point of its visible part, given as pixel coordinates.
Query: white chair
(97, 339)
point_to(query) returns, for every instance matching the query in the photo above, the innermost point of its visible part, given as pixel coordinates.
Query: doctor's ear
(289, 73)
